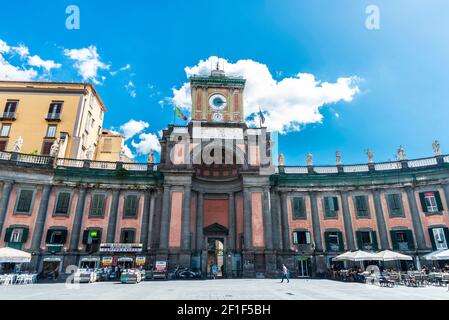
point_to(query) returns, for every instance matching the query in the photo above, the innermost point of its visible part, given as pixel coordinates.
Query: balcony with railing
(403, 166)
(8, 116)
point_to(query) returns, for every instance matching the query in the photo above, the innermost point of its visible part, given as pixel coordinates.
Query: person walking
(284, 273)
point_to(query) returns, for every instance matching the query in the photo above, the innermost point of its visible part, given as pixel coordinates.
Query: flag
(179, 113)
(261, 117)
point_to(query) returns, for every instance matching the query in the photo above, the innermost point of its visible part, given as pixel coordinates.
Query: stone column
(112, 225)
(349, 232)
(285, 231)
(380, 218)
(155, 223)
(247, 219)
(40, 219)
(151, 219)
(232, 221)
(317, 237)
(199, 221)
(185, 220)
(267, 223)
(416, 219)
(78, 220)
(165, 218)
(145, 218)
(6, 193)
(276, 219)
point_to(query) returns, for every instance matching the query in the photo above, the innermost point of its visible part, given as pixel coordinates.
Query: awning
(90, 259)
(10, 255)
(52, 259)
(125, 259)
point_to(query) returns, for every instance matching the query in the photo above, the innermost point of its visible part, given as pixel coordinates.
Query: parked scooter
(186, 273)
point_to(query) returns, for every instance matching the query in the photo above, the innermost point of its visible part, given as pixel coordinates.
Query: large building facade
(216, 198)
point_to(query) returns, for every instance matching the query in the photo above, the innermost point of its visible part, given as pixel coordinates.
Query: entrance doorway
(304, 267)
(215, 256)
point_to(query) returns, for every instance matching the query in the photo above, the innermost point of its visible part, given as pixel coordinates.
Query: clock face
(217, 101)
(217, 117)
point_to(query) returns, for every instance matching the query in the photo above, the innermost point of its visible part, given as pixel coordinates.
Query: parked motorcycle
(186, 273)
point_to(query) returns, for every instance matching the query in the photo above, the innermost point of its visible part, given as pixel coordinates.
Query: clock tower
(217, 98)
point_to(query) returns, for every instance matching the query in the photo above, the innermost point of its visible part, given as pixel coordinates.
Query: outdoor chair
(394, 278)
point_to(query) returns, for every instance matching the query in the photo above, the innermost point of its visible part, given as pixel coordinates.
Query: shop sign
(161, 265)
(107, 261)
(121, 247)
(140, 261)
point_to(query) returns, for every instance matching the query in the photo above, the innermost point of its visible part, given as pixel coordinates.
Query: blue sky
(402, 68)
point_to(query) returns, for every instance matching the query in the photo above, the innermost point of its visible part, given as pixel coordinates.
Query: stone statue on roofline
(309, 159)
(151, 156)
(400, 154)
(54, 149)
(281, 159)
(436, 148)
(17, 145)
(338, 158)
(370, 155)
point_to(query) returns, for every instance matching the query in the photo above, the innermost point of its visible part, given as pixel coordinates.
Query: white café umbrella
(443, 255)
(430, 256)
(388, 255)
(10, 255)
(358, 255)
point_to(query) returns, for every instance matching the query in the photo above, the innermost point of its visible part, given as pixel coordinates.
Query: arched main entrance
(215, 238)
(215, 256)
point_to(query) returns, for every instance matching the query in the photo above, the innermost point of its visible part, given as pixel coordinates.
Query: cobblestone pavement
(253, 289)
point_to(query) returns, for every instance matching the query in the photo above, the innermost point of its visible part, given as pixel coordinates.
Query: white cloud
(24, 72)
(128, 151)
(127, 67)
(22, 50)
(37, 61)
(13, 73)
(289, 102)
(146, 143)
(131, 88)
(4, 48)
(87, 63)
(133, 127)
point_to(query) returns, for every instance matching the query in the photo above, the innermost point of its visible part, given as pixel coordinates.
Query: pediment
(215, 228)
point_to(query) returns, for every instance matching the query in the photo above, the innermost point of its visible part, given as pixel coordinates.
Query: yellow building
(110, 147)
(42, 112)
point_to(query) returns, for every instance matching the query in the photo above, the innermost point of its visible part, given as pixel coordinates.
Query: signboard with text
(121, 247)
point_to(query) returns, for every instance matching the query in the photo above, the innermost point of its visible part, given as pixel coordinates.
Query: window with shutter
(130, 206)
(361, 206)
(97, 205)
(3, 144)
(429, 201)
(23, 203)
(63, 203)
(438, 238)
(394, 202)
(299, 211)
(46, 147)
(332, 241)
(330, 207)
(127, 236)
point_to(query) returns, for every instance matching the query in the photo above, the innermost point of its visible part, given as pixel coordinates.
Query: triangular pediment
(215, 228)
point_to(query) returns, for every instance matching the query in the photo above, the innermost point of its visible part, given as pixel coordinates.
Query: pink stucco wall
(257, 220)
(175, 220)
